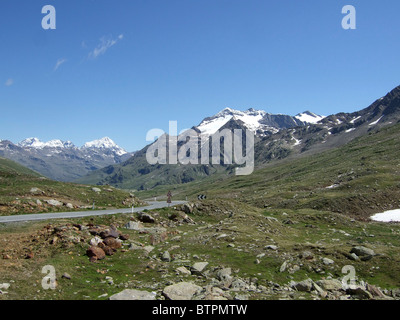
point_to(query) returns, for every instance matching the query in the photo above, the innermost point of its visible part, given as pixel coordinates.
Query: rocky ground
(209, 250)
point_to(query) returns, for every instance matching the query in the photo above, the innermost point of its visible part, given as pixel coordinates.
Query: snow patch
(387, 216)
(296, 141)
(375, 122)
(355, 119)
(332, 186)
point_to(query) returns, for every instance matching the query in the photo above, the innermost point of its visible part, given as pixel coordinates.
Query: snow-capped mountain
(36, 143)
(104, 143)
(251, 119)
(62, 160)
(258, 121)
(309, 117)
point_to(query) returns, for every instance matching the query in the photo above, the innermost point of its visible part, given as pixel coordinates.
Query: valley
(298, 228)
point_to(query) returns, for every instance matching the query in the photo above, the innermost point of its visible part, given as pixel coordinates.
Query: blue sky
(121, 68)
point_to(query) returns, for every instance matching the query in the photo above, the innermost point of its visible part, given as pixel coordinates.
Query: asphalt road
(80, 214)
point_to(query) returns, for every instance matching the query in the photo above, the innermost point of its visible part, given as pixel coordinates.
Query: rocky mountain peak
(104, 143)
(309, 117)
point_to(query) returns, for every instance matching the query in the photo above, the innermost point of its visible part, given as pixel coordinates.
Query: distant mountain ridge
(276, 137)
(258, 121)
(62, 160)
(137, 173)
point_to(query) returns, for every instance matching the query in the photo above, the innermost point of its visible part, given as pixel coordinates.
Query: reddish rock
(96, 253)
(112, 243)
(124, 236)
(94, 231)
(108, 251)
(112, 232)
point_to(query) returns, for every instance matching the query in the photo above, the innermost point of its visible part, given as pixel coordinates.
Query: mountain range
(62, 160)
(258, 121)
(277, 137)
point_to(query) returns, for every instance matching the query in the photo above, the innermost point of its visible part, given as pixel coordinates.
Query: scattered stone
(133, 225)
(322, 293)
(132, 294)
(36, 191)
(239, 285)
(224, 274)
(66, 276)
(4, 286)
(330, 284)
(166, 257)
(353, 256)
(54, 203)
(145, 217)
(287, 221)
(95, 241)
(327, 261)
(112, 232)
(303, 286)
(96, 189)
(271, 247)
(183, 270)
(272, 219)
(366, 258)
(124, 237)
(375, 291)
(187, 208)
(361, 293)
(110, 280)
(95, 253)
(307, 255)
(283, 267)
(112, 243)
(69, 206)
(108, 251)
(294, 269)
(181, 291)
(361, 251)
(198, 268)
(148, 249)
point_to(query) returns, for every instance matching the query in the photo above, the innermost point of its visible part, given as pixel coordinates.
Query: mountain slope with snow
(258, 121)
(104, 143)
(62, 160)
(277, 137)
(309, 117)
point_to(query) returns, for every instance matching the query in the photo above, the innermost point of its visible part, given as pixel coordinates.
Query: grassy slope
(365, 173)
(219, 224)
(17, 181)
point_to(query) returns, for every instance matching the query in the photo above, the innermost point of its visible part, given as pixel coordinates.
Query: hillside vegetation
(359, 179)
(25, 191)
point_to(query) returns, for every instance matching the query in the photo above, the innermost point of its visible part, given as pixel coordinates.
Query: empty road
(80, 214)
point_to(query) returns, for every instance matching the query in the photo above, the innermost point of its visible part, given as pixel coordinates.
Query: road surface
(88, 213)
